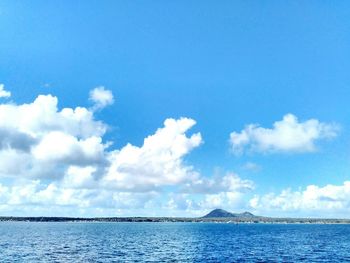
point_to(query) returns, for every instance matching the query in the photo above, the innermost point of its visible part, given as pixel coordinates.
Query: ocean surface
(172, 242)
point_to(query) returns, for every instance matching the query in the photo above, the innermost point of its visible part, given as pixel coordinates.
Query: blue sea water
(172, 242)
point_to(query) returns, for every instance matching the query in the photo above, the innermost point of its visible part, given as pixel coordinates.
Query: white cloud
(287, 135)
(158, 162)
(4, 93)
(80, 177)
(54, 160)
(181, 202)
(51, 141)
(80, 190)
(37, 194)
(42, 116)
(203, 194)
(38, 140)
(101, 98)
(232, 201)
(61, 147)
(217, 184)
(201, 204)
(330, 200)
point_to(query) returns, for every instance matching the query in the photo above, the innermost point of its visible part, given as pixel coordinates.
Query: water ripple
(172, 242)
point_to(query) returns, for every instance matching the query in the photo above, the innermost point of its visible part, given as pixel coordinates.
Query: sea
(172, 242)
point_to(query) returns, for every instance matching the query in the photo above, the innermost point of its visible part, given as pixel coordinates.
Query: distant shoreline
(255, 220)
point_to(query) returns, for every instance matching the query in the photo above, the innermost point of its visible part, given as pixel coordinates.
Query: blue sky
(224, 65)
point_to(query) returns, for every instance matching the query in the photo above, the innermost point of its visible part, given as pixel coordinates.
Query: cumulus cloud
(65, 148)
(4, 93)
(57, 158)
(158, 162)
(52, 141)
(334, 200)
(54, 159)
(43, 116)
(101, 98)
(287, 135)
(39, 140)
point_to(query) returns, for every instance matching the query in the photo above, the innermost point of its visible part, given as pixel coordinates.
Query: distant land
(215, 216)
(220, 213)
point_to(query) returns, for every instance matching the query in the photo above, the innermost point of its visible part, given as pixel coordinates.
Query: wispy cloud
(4, 93)
(101, 98)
